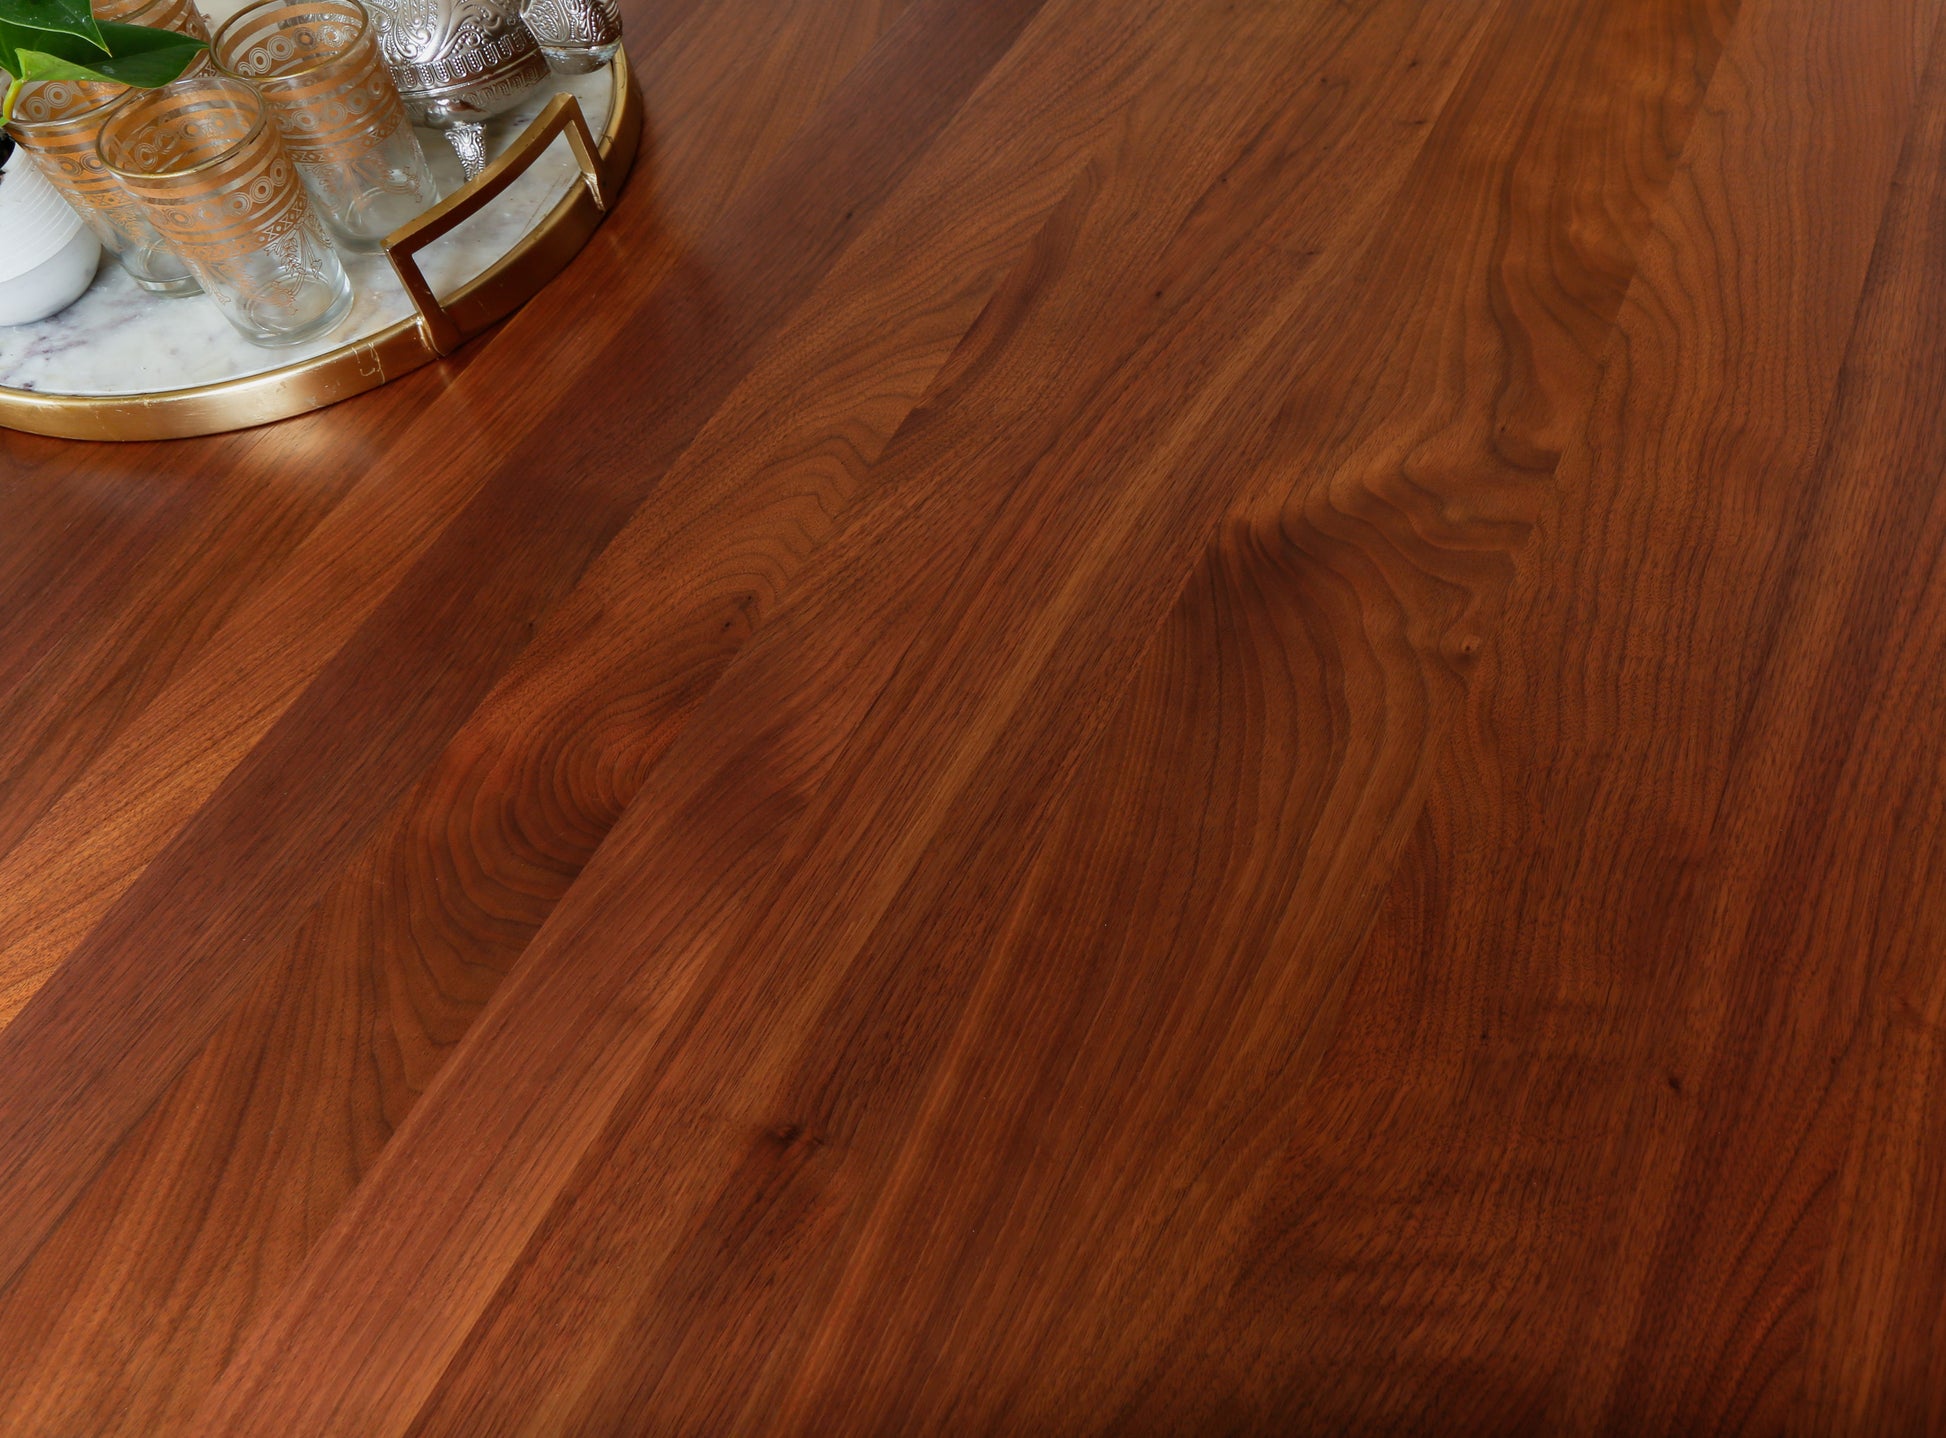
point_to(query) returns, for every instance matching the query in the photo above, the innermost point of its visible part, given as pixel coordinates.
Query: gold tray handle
(562, 116)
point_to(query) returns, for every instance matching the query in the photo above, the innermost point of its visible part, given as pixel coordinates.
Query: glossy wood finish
(1161, 717)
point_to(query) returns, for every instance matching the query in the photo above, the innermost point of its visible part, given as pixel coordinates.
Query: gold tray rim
(372, 360)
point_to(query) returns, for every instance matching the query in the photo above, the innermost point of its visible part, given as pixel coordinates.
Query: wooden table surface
(1138, 716)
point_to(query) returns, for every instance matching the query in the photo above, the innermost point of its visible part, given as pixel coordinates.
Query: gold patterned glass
(181, 16)
(207, 164)
(318, 65)
(57, 122)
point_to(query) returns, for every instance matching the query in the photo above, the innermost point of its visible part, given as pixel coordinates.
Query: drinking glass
(317, 64)
(182, 16)
(576, 35)
(206, 162)
(57, 122)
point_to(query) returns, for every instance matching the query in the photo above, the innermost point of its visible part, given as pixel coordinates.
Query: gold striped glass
(317, 64)
(181, 16)
(210, 171)
(57, 122)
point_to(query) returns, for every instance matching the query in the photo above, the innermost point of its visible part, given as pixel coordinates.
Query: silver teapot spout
(458, 63)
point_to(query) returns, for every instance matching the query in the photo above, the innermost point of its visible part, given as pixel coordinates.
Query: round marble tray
(121, 363)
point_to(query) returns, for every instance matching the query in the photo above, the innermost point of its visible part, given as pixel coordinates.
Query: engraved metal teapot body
(457, 63)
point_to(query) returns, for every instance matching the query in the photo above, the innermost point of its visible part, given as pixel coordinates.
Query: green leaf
(11, 38)
(135, 55)
(56, 17)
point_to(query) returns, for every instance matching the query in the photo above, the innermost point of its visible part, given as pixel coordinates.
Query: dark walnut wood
(1131, 716)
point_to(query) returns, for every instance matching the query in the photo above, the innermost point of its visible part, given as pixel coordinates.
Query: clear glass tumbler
(182, 16)
(317, 64)
(576, 35)
(206, 162)
(58, 122)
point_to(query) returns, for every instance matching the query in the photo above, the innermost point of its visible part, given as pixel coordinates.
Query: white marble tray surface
(119, 339)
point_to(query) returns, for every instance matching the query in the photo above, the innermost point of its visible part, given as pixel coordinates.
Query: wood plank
(1831, 824)
(1107, 934)
(1166, 976)
(673, 1114)
(146, 576)
(1501, 1173)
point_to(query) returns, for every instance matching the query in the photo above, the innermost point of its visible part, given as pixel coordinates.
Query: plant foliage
(62, 40)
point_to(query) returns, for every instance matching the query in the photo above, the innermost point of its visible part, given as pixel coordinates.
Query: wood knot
(794, 1135)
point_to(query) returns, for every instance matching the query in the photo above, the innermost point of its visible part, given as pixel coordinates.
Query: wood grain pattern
(1158, 717)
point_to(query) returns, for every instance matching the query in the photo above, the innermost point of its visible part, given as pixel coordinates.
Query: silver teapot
(458, 63)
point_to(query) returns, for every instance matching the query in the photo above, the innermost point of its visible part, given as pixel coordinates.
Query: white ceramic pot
(47, 256)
